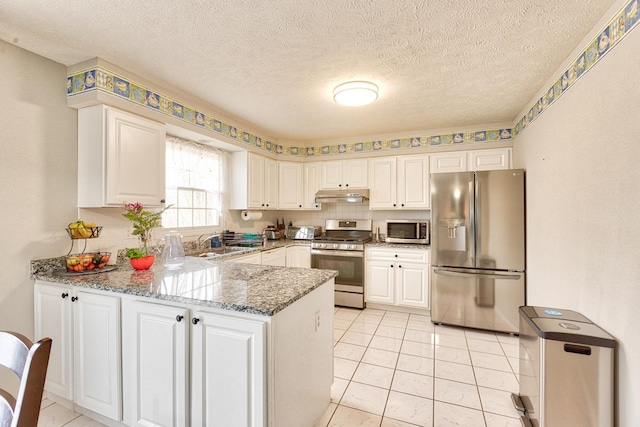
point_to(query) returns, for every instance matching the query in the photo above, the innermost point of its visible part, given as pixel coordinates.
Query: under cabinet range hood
(342, 196)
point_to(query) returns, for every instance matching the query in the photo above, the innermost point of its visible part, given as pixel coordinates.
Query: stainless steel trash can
(566, 370)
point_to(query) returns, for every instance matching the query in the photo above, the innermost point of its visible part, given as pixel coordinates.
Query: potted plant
(143, 222)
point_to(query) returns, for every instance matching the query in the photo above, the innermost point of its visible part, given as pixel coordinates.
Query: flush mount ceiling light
(355, 94)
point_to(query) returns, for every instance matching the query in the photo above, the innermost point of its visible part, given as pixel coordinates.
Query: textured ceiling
(439, 63)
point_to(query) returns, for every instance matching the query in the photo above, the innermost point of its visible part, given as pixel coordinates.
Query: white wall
(582, 158)
(38, 169)
(38, 173)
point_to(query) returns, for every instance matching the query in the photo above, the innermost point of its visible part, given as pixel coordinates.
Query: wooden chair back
(29, 362)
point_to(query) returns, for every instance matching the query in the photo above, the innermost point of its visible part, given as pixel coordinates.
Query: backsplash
(112, 238)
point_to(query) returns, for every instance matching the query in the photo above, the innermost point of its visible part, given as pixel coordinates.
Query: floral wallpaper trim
(616, 29)
(98, 78)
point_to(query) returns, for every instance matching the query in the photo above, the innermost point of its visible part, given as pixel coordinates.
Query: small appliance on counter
(303, 232)
(272, 233)
(408, 231)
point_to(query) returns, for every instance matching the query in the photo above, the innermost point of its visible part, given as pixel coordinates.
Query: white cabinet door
(332, 175)
(382, 176)
(397, 276)
(345, 174)
(270, 184)
(455, 161)
(121, 158)
(291, 185)
(492, 159)
(254, 258)
(155, 351)
(256, 183)
(228, 378)
(53, 319)
(412, 284)
(379, 282)
(97, 358)
(299, 256)
(414, 190)
(312, 183)
(276, 257)
(355, 173)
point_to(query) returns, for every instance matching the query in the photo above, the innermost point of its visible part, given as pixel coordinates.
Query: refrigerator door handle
(446, 272)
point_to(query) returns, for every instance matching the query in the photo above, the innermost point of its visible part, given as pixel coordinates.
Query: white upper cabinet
(345, 174)
(476, 160)
(414, 189)
(383, 179)
(270, 183)
(455, 161)
(492, 159)
(312, 183)
(291, 185)
(399, 182)
(254, 181)
(121, 158)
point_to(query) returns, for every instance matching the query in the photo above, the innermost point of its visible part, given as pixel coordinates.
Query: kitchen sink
(214, 252)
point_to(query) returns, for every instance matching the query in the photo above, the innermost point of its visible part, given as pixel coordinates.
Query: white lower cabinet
(181, 365)
(397, 277)
(218, 360)
(276, 257)
(96, 355)
(299, 256)
(84, 365)
(253, 258)
(155, 340)
(228, 378)
(54, 319)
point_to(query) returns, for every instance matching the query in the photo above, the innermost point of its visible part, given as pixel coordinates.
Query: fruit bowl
(83, 230)
(84, 262)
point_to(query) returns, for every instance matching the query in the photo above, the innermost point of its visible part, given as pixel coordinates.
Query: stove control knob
(352, 246)
(335, 246)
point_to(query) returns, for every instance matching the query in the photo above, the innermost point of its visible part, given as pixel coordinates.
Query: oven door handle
(346, 254)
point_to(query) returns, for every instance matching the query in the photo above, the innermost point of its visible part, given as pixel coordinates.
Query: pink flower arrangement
(143, 222)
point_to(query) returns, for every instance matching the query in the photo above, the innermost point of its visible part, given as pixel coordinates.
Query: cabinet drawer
(402, 255)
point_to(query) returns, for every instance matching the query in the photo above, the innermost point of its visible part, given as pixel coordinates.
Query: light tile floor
(400, 370)
(55, 415)
(397, 370)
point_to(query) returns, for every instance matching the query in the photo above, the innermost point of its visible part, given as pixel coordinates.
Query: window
(194, 184)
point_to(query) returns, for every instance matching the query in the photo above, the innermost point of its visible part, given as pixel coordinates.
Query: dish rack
(247, 240)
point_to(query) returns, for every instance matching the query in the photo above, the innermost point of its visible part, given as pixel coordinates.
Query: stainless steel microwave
(408, 231)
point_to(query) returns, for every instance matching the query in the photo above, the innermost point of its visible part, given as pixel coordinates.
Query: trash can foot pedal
(517, 403)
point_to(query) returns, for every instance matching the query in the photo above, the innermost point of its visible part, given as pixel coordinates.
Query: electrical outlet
(317, 320)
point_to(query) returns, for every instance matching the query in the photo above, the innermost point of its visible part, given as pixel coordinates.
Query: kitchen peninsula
(210, 343)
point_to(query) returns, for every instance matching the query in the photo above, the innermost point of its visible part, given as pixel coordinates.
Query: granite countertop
(257, 289)
(382, 244)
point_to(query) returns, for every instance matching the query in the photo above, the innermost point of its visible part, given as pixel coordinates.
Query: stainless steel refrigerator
(478, 249)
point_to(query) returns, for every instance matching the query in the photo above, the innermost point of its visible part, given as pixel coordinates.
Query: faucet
(202, 241)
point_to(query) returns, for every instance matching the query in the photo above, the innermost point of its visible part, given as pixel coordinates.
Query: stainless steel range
(341, 248)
